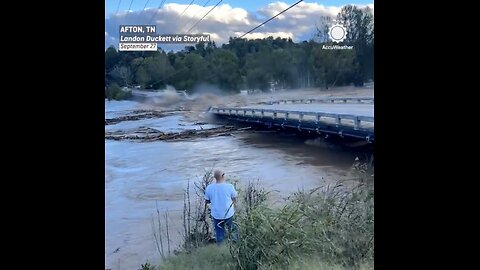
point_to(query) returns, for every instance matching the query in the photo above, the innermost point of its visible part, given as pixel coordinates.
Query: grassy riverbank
(329, 227)
(214, 257)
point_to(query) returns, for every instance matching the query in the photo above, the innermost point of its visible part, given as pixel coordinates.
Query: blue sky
(231, 18)
(249, 5)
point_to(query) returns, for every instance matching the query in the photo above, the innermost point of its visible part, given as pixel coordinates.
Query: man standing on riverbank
(222, 197)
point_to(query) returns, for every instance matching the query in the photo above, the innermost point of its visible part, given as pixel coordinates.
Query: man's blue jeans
(220, 225)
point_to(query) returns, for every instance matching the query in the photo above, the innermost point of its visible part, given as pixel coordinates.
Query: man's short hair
(218, 174)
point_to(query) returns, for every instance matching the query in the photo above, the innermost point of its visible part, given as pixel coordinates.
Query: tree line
(254, 64)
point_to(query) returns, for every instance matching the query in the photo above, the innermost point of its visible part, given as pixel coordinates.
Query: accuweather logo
(337, 33)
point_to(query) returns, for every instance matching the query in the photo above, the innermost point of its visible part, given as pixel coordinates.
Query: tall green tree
(142, 77)
(259, 70)
(359, 23)
(122, 75)
(283, 68)
(111, 58)
(333, 67)
(224, 70)
(196, 68)
(159, 69)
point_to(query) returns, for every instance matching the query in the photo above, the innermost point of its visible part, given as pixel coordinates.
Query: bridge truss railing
(357, 121)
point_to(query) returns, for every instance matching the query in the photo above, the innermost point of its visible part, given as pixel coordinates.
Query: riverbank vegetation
(260, 64)
(113, 91)
(329, 227)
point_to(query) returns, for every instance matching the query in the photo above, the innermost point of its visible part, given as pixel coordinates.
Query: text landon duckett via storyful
(147, 34)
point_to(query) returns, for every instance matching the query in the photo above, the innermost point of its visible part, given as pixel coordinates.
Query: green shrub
(115, 92)
(334, 225)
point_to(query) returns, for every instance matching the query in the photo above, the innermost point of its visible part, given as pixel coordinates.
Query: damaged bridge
(343, 117)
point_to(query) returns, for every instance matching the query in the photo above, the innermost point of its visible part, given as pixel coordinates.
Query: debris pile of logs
(144, 134)
(139, 115)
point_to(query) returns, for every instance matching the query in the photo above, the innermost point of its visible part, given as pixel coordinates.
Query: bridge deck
(344, 119)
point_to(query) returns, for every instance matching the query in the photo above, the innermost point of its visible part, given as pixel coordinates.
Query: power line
(186, 68)
(186, 8)
(205, 16)
(118, 7)
(211, 75)
(146, 4)
(198, 11)
(156, 11)
(270, 19)
(131, 2)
